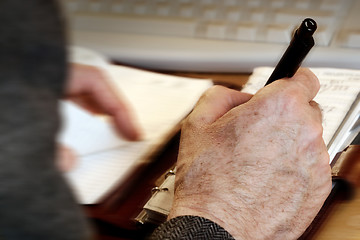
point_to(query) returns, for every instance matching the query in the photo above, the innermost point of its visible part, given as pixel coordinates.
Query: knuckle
(286, 101)
(305, 73)
(290, 96)
(313, 133)
(208, 94)
(316, 129)
(211, 91)
(193, 121)
(188, 122)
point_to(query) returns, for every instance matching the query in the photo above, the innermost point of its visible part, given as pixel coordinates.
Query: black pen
(299, 47)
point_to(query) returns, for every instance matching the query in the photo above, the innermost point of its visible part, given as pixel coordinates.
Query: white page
(159, 101)
(338, 90)
(80, 127)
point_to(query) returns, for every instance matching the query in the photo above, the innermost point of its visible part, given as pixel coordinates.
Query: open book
(105, 160)
(339, 100)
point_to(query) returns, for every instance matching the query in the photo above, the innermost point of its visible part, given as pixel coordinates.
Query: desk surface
(115, 217)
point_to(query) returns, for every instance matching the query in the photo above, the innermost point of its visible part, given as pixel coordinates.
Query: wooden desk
(343, 219)
(114, 218)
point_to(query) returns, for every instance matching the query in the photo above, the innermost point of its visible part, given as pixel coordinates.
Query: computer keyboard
(213, 35)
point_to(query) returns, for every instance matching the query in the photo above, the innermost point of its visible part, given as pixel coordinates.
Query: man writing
(250, 167)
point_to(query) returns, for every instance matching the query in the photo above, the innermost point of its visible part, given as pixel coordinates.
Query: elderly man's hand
(256, 165)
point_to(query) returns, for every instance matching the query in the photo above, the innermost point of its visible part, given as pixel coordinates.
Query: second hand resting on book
(256, 165)
(88, 86)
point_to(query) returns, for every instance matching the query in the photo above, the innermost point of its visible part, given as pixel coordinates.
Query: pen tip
(307, 27)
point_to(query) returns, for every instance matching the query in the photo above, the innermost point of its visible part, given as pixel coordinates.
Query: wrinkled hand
(256, 165)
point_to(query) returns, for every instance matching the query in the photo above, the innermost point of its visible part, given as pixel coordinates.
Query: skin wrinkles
(257, 166)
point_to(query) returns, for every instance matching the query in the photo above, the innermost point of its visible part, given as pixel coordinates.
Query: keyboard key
(140, 8)
(331, 4)
(208, 2)
(118, 6)
(95, 5)
(303, 4)
(231, 2)
(163, 9)
(216, 30)
(185, 10)
(279, 33)
(233, 14)
(257, 15)
(277, 3)
(209, 13)
(352, 39)
(322, 36)
(254, 3)
(246, 32)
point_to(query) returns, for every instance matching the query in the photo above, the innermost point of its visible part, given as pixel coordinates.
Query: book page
(339, 89)
(79, 127)
(160, 102)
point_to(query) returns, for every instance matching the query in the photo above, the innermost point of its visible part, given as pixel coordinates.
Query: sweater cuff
(190, 227)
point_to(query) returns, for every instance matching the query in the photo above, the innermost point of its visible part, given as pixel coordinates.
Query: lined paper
(339, 89)
(80, 126)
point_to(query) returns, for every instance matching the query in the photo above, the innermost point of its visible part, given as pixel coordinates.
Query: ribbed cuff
(190, 227)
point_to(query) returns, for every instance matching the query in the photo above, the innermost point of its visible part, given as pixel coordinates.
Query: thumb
(215, 102)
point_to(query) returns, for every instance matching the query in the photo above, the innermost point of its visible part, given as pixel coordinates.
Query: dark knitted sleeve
(190, 227)
(35, 201)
